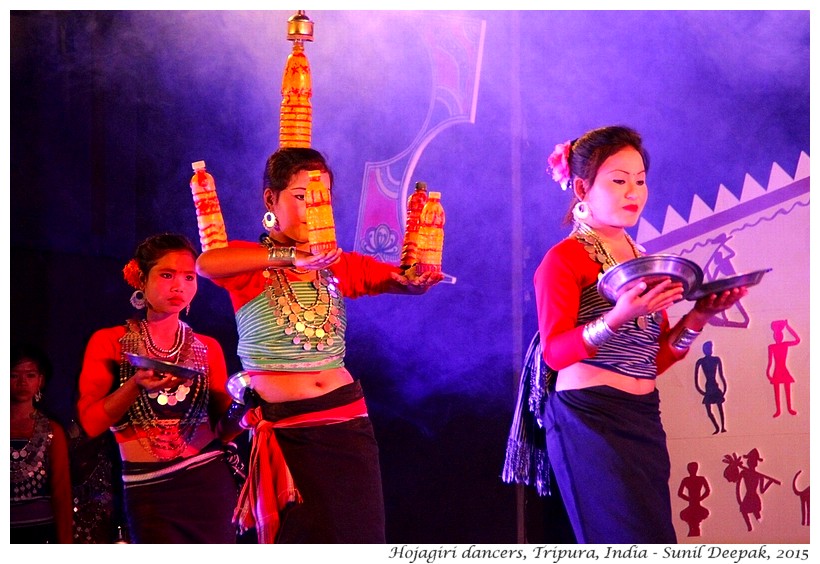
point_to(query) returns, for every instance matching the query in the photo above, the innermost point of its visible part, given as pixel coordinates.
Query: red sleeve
(218, 378)
(361, 275)
(242, 288)
(100, 365)
(565, 270)
(60, 479)
(667, 356)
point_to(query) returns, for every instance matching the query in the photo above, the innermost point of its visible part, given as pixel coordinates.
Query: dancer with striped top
(604, 437)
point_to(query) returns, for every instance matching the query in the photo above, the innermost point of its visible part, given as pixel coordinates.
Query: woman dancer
(40, 482)
(605, 440)
(179, 486)
(291, 322)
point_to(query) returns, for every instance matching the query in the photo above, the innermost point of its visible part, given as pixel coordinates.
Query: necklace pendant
(641, 321)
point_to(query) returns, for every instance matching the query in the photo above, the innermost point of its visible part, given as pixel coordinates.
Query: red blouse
(359, 275)
(101, 369)
(563, 273)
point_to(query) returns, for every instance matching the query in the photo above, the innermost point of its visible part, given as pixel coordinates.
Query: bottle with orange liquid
(431, 235)
(295, 111)
(321, 227)
(209, 220)
(415, 204)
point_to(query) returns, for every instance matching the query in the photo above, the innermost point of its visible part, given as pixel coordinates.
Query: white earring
(138, 299)
(581, 211)
(269, 220)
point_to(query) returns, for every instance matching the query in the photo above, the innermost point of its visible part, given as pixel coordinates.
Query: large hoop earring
(581, 211)
(138, 299)
(269, 221)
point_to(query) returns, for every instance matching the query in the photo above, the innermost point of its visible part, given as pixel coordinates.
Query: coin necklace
(28, 464)
(167, 396)
(601, 254)
(308, 326)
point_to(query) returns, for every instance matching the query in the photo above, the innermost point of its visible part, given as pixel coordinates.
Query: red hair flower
(131, 273)
(559, 164)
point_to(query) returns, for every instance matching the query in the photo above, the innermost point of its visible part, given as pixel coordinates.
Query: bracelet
(685, 339)
(597, 332)
(281, 253)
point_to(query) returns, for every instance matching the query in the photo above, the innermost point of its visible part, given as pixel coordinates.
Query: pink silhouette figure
(748, 480)
(776, 370)
(712, 392)
(694, 489)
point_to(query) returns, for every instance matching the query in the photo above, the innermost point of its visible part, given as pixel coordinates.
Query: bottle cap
(197, 165)
(421, 186)
(434, 195)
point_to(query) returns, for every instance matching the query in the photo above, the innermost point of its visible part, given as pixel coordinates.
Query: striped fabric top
(632, 351)
(263, 344)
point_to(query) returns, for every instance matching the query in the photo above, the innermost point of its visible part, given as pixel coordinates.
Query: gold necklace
(600, 253)
(596, 248)
(309, 326)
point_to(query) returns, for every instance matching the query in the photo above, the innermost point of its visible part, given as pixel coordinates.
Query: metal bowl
(148, 363)
(723, 284)
(659, 266)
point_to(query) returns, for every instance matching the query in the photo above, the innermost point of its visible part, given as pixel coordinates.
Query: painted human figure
(694, 489)
(752, 481)
(712, 392)
(718, 266)
(776, 370)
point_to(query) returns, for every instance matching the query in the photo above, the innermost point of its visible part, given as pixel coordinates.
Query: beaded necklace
(600, 253)
(167, 439)
(310, 326)
(167, 396)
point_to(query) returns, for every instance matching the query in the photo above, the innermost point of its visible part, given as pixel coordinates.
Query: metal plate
(139, 361)
(236, 386)
(723, 284)
(678, 269)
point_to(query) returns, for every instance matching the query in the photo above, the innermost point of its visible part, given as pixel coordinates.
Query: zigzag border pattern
(702, 219)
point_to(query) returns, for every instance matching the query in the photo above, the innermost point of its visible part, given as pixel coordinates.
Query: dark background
(108, 110)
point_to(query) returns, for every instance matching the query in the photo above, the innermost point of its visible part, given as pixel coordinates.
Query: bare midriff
(580, 375)
(279, 386)
(134, 451)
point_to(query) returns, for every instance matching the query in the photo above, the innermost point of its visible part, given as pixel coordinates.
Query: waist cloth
(608, 451)
(188, 500)
(329, 489)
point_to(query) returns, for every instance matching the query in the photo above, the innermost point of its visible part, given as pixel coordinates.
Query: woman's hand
(414, 283)
(308, 261)
(152, 381)
(643, 297)
(711, 305)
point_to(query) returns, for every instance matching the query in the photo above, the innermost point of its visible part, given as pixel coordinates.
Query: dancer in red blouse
(291, 322)
(179, 485)
(604, 436)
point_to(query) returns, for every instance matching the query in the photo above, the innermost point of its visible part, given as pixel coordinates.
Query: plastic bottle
(431, 235)
(321, 228)
(415, 204)
(212, 233)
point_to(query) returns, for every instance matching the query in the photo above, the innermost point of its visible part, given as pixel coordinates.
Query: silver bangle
(597, 332)
(685, 339)
(281, 253)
